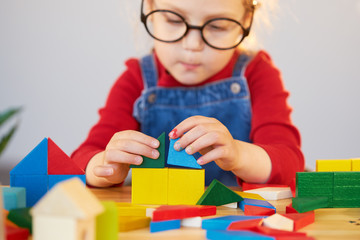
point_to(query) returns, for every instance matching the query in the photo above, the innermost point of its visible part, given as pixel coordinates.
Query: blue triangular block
(181, 158)
(35, 162)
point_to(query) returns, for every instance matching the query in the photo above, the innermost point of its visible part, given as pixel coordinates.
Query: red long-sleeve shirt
(271, 125)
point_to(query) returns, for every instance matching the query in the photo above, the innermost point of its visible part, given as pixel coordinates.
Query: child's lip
(190, 66)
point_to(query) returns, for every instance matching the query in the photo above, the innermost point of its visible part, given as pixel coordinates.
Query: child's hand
(209, 137)
(112, 165)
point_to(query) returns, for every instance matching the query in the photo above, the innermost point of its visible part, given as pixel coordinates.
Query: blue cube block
(164, 225)
(14, 197)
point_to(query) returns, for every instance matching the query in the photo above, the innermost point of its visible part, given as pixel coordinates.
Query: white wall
(58, 59)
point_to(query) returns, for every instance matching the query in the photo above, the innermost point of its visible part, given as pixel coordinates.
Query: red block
(206, 210)
(249, 186)
(301, 219)
(250, 225)
(16, 233)
(59, 163)
(290, 209)
(165, 212)
(278, 233)
(293, 187)
(250, 210)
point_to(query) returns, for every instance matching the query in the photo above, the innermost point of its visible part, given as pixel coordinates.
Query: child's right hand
(124, 148)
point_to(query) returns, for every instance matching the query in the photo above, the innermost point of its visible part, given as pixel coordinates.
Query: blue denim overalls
(160, 109)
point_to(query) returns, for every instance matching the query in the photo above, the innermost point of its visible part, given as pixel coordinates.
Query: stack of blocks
(41, 169)
(153, 183)
(333, 185)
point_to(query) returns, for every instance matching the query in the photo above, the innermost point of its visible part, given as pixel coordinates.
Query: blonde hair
(265, 13)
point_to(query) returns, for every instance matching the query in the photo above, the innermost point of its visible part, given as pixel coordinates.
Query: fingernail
(108, 171)
(173, 134)
(177, 146)
(155, 144)
(188, 149)
(155, 154)
(138, 160)
(200, 161)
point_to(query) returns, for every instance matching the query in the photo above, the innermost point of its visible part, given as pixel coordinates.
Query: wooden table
(330, 223)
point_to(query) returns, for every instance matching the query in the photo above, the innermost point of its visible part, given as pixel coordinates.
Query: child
(198, 85)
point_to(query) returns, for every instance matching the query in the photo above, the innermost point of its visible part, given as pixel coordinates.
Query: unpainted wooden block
(279, 222)
(185, 186)
(149, 186)
(218, 194)
(194, 222)
(333, 165)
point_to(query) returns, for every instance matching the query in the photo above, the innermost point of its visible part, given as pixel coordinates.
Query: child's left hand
(209, 137)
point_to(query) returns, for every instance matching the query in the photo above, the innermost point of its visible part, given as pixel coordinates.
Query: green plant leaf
(4, 116)
(5, 139)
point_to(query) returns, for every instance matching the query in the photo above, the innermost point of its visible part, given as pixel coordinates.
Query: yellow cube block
(186, 186)
(149, 186)
(128, 209)
(355, 164)
(333, 165)
(132, 223)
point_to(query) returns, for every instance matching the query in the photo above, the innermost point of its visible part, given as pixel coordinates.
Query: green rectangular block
(347, 179)
(346, 203)
(314, 184)
(305, 204)
(346, 192)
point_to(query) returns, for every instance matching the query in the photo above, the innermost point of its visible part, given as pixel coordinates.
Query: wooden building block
(164, 225)
(255, 202)
(185, 186)
(249, 186)
(181, 158)
(194, 222)
(233, 205)
(218, 194)
(149, 186)
(355, 164)
(165, 212)
(54, 179)
(207, 210)
(251, 210)
(222, 223)
(273, 193)
(250, 195)
(35, 185)
(67, 211)
(249, 225)
(280, 234)
(301, 219)
(154, 163)
(127, 223)
(306, 204)
(235, 235)
(279, 222)
(107, 223)
(59, 163)
(333, 165)
(16, 233)
(290, 209)
(128, 209)
(21, 217)
(13, 197)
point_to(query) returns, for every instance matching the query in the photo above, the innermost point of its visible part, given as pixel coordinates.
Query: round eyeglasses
(219, 33)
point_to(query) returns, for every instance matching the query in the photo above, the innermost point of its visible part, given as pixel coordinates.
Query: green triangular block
(218, 194)
(154, 163)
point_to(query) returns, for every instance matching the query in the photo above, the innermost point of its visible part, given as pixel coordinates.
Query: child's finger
(188, 124)
(213, 155)
(117, 156)
(138, 137)
(133, 147)
(204, 141)
(103, 171)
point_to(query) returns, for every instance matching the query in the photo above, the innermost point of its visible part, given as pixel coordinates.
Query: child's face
(190, 60)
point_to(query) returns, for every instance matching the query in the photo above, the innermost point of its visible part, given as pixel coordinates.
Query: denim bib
(160, 109)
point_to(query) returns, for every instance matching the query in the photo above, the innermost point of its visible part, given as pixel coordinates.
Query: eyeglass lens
(168, 26)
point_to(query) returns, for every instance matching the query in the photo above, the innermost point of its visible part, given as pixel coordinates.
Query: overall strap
(149, 71)
(240, 65)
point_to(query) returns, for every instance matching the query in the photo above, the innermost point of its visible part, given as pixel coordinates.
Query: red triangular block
(250, 225)
(250, 210)
(290, 209)
(301, 219)
(59, 163)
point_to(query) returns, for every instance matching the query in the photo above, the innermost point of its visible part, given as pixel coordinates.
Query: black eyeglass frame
(246, 31)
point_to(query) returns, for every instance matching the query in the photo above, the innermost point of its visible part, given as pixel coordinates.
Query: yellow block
(107, 226)
(149, 186)
(250, 195)
(128, 209)
(186, 186)
(333, 165)
(355, 164)
(132, 223)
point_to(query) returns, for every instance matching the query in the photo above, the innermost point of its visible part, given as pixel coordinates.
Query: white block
(191, 222)
(272, 193)
(279, 222)
(231, 205)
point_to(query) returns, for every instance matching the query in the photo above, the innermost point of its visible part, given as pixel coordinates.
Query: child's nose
(193, 40)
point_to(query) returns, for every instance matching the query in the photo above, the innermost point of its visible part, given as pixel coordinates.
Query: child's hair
(265, 13)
